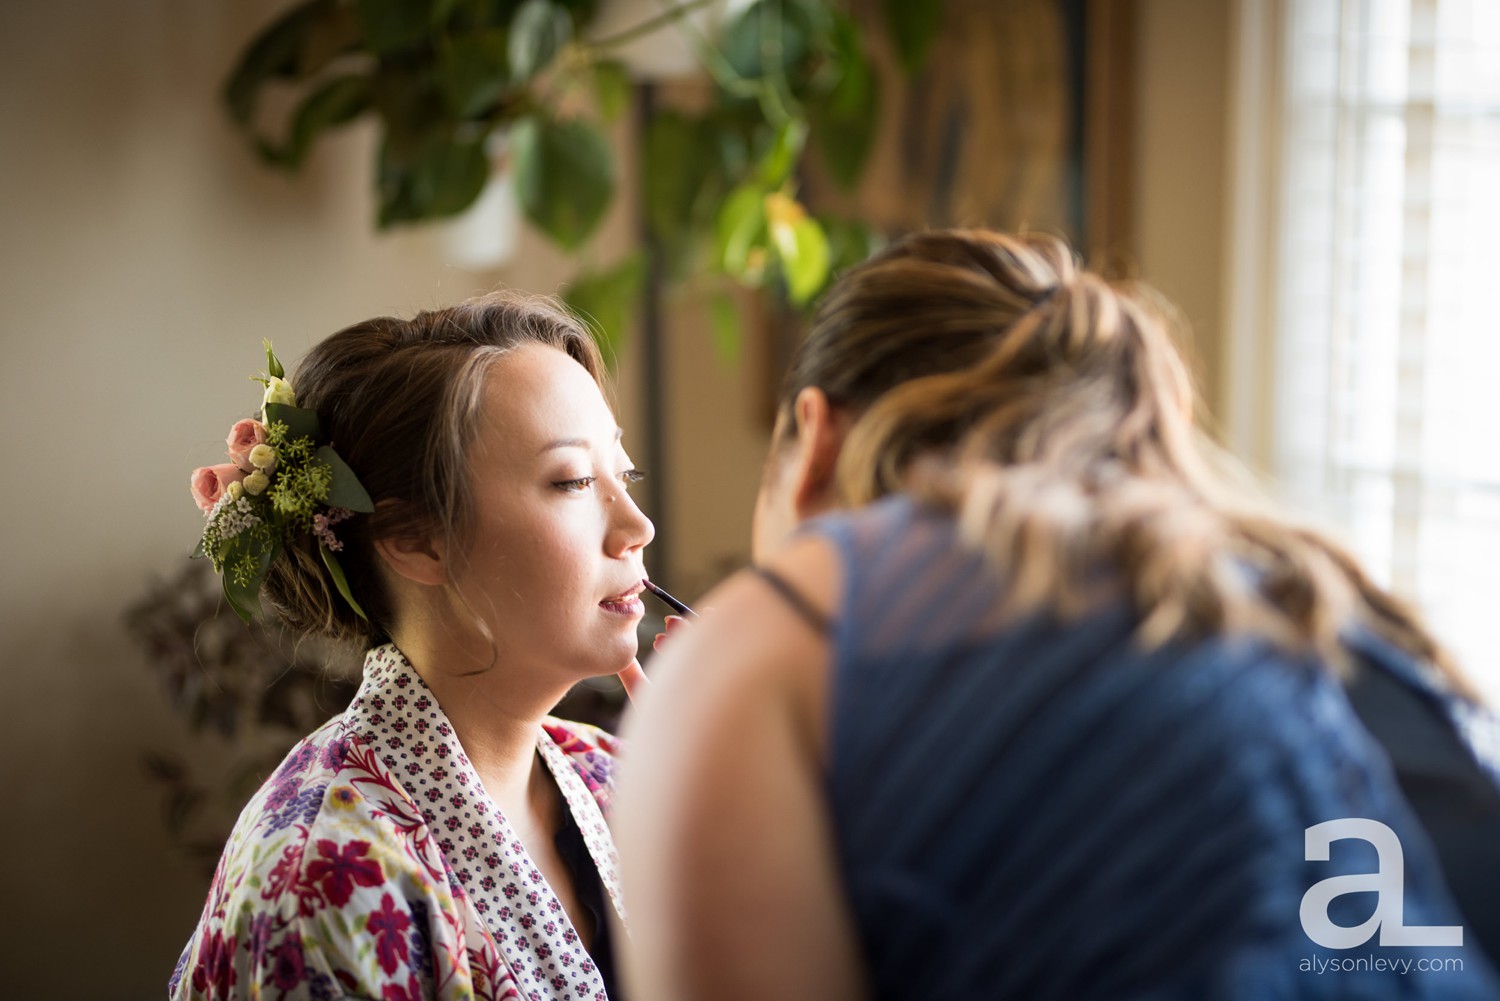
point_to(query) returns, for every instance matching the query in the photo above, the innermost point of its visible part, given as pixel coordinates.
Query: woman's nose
(630, 529)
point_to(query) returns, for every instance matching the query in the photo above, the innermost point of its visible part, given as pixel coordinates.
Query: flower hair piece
(280, 483)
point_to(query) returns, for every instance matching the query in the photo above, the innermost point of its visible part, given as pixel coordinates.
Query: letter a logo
(1388, 884)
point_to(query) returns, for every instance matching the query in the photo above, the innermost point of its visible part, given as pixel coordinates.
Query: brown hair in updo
(399, 400)
(1051, 410)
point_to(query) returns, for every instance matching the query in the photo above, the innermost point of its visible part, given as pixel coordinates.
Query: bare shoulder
(725, 841)
(751, 643)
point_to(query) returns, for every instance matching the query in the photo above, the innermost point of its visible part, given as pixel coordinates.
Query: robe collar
(396, 715)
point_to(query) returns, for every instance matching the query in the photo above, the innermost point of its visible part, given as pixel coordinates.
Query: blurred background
(1311, 181)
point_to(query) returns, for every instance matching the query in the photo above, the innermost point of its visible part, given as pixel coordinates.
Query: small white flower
(263, 457)
(256, 483)
(278, 390)
(235, 491)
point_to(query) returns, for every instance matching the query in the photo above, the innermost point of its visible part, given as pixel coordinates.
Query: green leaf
(681, 165)
(345, 490)
(473, 71)
(538, 32)
(803, 251)
(275, 52)
(273, 364)
(564, 176)
(340, 581)
(741, 227)
(724, 322)
(604, 299)
(449, 176)
(776, 166)
(849, 242)
(844, 121)
(768, 27)
(334, 103)
(300, 423)
(394, 26)
(913, 25)
(244, 596)
(611, 89)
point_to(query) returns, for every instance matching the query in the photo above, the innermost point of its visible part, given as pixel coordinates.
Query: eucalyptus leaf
(340, 581)
(611, 89)
(604, 299)
(300, 423)
(913, 26)
(538, 33)
(345, 490)
(261, 550)
(564, 176)
(741, 227)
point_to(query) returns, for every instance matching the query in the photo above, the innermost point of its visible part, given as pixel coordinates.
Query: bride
(450, 492)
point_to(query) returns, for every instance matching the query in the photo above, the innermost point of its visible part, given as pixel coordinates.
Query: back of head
(1053, 413)
(399, 401)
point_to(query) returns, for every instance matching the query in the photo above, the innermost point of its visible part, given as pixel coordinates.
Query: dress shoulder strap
(795, 599)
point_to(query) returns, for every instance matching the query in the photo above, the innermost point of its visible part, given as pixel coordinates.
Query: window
(1366, 295)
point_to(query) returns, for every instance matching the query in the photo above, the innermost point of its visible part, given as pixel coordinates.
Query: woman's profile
(1036, 702)
(449, 492)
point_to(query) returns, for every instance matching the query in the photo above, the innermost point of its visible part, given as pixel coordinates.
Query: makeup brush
(677, 606)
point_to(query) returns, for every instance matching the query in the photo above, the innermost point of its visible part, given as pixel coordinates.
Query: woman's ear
(417, 558)
(820, 435)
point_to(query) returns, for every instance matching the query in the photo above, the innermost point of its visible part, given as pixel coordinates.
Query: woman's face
(554, 563)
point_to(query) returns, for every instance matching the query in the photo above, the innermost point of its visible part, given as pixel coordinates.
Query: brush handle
(677, 606)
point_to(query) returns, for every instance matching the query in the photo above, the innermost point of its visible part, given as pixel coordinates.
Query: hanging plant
(720, 185)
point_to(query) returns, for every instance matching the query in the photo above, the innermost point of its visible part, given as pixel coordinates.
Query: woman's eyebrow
(576, 442)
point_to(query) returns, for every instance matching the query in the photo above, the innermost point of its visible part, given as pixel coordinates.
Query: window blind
(1386, 326)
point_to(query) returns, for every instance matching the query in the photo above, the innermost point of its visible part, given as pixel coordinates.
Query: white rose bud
(256, 483)
(278, 390)
(263, 457)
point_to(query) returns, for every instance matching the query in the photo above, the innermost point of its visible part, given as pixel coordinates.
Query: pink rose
(244, 436)
(210, 482)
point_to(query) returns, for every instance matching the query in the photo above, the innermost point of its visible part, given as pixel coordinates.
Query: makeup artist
(444, 837)
(1038, 703)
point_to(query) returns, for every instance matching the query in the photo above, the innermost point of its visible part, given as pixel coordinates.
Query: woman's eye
(631, 476)
(574, 486)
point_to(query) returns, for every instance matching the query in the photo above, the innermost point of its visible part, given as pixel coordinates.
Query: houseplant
(442, 77)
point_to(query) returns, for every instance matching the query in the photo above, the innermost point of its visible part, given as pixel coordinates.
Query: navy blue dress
(1042, 810)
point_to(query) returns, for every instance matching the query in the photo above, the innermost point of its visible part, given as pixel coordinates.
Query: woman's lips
(627, 603)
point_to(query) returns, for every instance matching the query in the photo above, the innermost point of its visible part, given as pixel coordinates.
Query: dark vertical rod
(653, 357)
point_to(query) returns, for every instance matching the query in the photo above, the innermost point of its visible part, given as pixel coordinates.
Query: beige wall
(144, 255)
(1182, 134)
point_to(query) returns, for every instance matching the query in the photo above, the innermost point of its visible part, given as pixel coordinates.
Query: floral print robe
(373, 865)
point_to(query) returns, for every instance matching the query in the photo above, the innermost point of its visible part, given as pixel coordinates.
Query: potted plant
(444, 77)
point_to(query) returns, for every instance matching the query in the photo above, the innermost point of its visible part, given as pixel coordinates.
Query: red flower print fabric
(373, 865)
